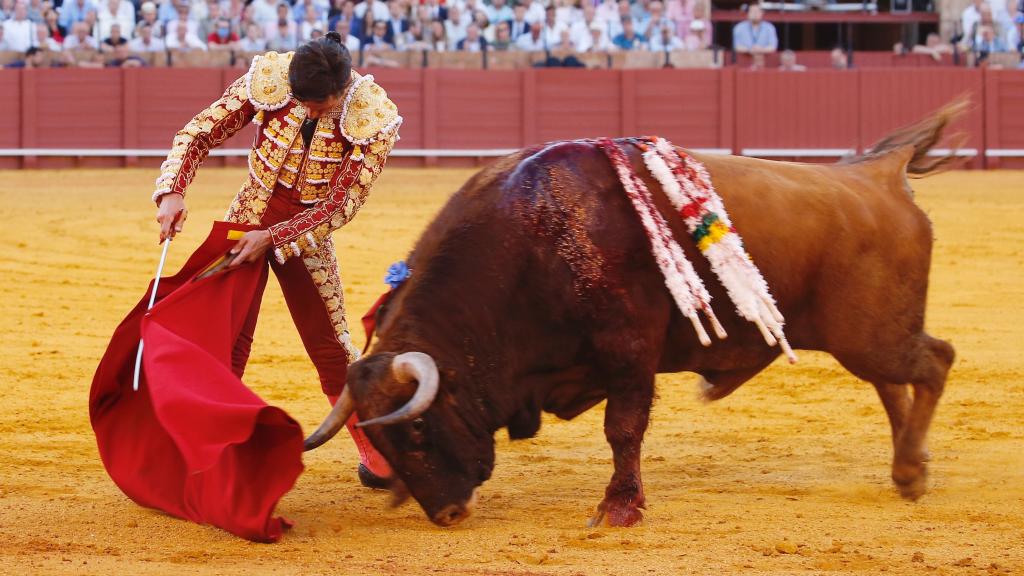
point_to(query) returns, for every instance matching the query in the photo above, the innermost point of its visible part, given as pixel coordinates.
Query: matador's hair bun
(320, 69)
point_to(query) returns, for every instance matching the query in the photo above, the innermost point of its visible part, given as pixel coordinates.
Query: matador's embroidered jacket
(347, 152)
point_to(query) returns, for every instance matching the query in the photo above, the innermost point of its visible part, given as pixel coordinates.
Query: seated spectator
(607, 11)
(474, 40)
(34, 58)
(377, 9)
(599, 41)
(534, 10)
(839, 59)
(665, 39)
(625, 13)
(378, 39)
(3, 43)
(787, 62)
(934, 47)
(640, 10)
(754, 35)
(629, 39)
(53, 27)
(415, 38)
(498, 11)
(657, 21)
(318, 32)
(72, 11)
(44, 41)
(148, 17)
(223, 38)
(697, 38)
(123, 58)
(284, 35)
(438, 36)
(207, 25)
(111, 12)
(346, 11)
(310, 19)
(254, 40)
(19, 31)
(183, 40)
(114, 40)
(552, 27)
(80, 39)
(455, 26)
(566, 13)
(987, 44)
(518, 26)
(502, 37)
(581, 27)
(534, 41)
(145, 41)
(344, 29)
(264, 12)
(397, 23)
(564, 43)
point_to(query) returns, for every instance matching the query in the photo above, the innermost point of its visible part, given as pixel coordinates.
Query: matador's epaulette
(367, 114)
(267, 83)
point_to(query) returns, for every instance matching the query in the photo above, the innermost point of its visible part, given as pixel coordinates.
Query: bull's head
(439, 451)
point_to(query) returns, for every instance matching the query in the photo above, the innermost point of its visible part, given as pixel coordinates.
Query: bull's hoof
(912, 481)
(616, 515)
(371, 480)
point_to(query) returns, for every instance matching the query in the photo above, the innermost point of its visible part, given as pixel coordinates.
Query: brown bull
(534, 290)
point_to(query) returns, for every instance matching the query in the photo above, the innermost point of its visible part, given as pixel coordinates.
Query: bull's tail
(923, 136)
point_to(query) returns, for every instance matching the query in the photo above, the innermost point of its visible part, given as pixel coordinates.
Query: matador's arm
(209, 129)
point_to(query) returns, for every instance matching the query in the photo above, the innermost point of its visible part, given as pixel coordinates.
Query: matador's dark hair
(320, 68)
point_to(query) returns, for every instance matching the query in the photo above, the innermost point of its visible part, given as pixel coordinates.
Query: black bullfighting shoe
(371, 480)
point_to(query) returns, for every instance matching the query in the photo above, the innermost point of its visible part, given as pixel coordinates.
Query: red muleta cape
(194, 441)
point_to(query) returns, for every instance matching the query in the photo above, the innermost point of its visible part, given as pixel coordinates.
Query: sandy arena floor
(788, 476)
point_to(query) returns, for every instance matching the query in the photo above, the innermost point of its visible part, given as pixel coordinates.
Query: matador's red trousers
(313, 321)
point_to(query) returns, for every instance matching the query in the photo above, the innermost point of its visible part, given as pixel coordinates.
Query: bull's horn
(343, 408)
(406, 368)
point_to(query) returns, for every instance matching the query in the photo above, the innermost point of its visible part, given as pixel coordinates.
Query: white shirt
(72, 43)
(380, 10)
(155, 45)
(552, 35)
(19, 34)
(125, 16)
(535, 13)
(263, 12)
(658, 44)
(526, 42)
(353, 44)
(192, 42)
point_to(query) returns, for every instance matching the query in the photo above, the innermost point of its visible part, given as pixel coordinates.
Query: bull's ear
(525, 423)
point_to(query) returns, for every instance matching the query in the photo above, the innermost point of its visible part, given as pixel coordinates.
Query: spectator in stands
(933, 46)
(415, 38)
(534, 11)
(787, 62)
(53, 27)
(754, 35)
(498, 11)
(378, 10)
(438, 36)
(112, 12)
(344, 29)
(80, 40)
(455, 26)
(552, 27)
(264, 12)
(534, 41)
(606, 11)
(519, 26)
(348, 13)
(310, 20)
(123, 58)
(433, 10)
(566, 12)
(599, 41)
(665, 39)
(972, 18)
(502, 37)
(182, 18)
(19, 31)
(397, 23)
(564, 43)
(640, 10)
(207, 25)
(615, 27)
(46, 42)
(223, 37)
(6, 9)
(698, 38)
(148, 18)
(988, 43)
(35, 11)
(378, 39)
(114, 40)
(839, 59)
(283, 34)
(254, 40)
(474, 40)
(34, 58)
(74, 11)
(3, 43)
(580, 29)
(657, 21)
(183, 40)
(629, 39)
(145, 41)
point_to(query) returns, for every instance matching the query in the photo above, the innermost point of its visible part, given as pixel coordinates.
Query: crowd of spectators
(114, 29)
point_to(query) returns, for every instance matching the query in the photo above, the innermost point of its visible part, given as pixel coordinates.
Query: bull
(534, 290)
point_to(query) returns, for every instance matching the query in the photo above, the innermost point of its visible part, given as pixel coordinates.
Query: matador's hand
(251, 247)
(171, 215)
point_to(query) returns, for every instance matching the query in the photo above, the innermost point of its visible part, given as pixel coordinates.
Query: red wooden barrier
(1004, 122)
(10, 103)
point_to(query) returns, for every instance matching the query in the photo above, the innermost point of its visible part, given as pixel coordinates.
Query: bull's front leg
(625, 421)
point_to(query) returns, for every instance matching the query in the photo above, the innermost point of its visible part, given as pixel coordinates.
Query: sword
(152, 299)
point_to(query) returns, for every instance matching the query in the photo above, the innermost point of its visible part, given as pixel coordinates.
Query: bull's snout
(451, 515)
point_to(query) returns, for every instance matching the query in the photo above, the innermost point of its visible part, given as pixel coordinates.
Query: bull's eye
(419, 425)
